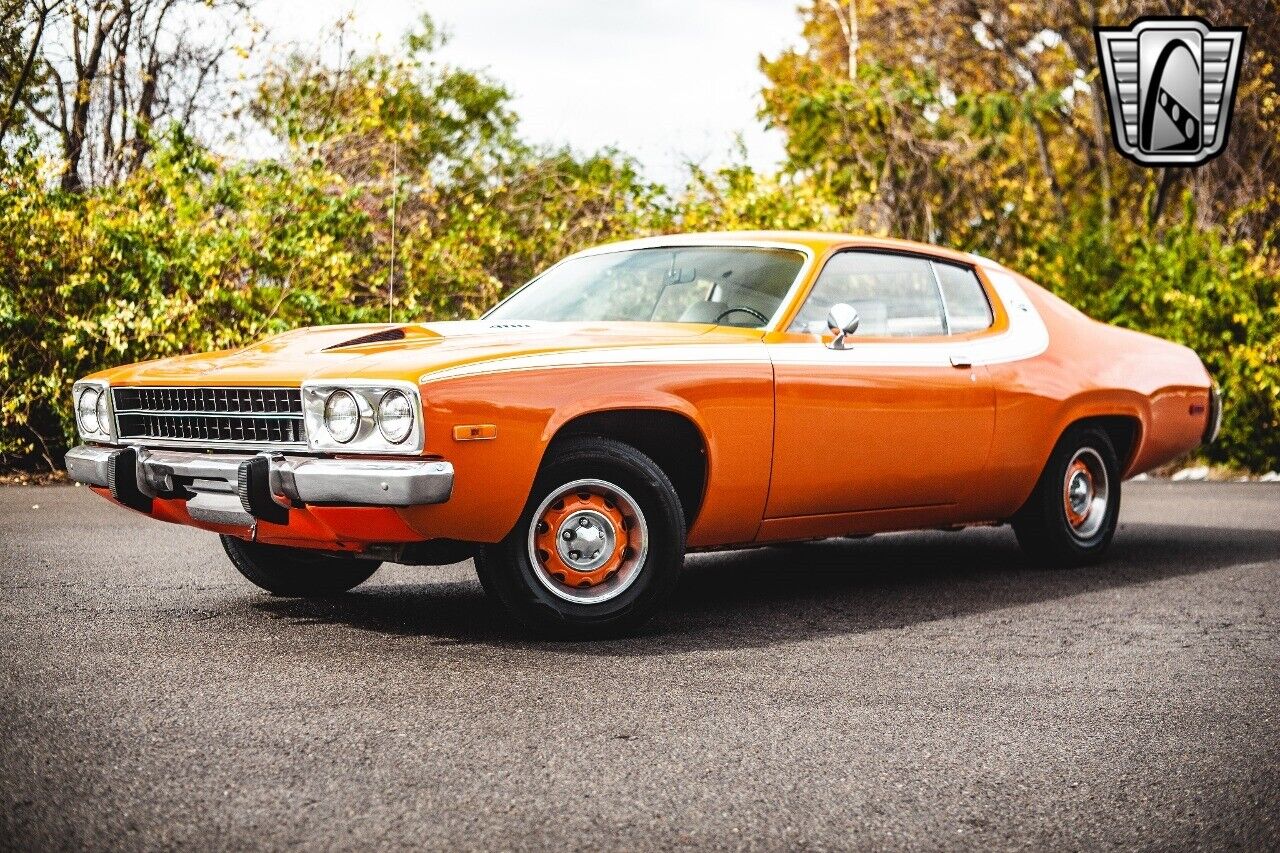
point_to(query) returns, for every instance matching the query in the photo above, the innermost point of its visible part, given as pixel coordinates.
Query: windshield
(727, 285)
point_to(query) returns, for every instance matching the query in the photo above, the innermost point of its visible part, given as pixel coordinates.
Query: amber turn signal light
(475, 432)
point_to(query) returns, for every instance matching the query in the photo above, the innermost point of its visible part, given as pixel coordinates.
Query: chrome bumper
(1213, 424)
(256, 482)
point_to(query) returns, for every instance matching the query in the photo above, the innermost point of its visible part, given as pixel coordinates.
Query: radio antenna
(391, 283)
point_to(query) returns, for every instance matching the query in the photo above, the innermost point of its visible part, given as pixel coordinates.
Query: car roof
(817, 242)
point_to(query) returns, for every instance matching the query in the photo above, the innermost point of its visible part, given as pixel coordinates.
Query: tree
(1006, 94)
(448, 124)
(110, 71)
(477, 208)
(22, 29)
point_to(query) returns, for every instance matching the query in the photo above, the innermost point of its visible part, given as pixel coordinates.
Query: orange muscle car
(644, 398)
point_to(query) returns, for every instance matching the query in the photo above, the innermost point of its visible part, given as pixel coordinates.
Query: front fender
(731, 405)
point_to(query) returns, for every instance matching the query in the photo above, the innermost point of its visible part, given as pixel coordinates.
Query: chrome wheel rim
(1085, 492)
(587, 541)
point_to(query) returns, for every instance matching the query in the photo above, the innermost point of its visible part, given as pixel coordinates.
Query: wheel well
(1123, 431)
(671, 440)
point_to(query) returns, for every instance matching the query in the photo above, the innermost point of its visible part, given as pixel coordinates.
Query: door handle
(961, 360)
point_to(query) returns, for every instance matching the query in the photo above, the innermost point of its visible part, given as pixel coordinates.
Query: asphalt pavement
(909, 691)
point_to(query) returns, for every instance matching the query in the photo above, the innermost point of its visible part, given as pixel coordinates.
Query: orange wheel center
(1077, 495)
(581, 539)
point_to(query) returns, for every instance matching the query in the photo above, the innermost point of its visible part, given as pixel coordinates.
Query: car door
(899, 417)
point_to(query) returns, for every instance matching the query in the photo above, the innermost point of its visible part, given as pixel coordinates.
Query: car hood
(406, 351)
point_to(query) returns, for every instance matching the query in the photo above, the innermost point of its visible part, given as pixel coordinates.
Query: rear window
(965, 300)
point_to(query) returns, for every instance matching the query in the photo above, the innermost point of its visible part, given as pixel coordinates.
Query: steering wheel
(753, 312)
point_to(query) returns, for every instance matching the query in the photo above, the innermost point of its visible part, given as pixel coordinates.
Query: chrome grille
(210, 415)
(206, 400)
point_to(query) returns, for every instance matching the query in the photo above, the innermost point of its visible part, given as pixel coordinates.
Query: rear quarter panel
(1091, 369)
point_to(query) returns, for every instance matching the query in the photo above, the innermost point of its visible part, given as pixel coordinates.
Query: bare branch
(24, 76)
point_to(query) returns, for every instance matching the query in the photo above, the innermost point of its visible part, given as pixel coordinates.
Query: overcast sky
(664, 80)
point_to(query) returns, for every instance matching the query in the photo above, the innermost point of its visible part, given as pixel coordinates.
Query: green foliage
(1189, 285)
(737, 198)
(449, 125)
(186, 255)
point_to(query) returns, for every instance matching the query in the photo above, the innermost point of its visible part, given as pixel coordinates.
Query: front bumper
(241, 488)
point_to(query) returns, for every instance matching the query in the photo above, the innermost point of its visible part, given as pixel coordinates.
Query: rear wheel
(1071, 516)
(599, 545)
(297, 572)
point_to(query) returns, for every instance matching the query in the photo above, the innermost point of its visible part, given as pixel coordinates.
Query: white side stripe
(752, 353)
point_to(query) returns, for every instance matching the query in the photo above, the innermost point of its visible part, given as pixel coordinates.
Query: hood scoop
(385, 336)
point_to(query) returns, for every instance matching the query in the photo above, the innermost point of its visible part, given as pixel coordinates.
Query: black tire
(1044, 525)
(507, 571)
(297, 572)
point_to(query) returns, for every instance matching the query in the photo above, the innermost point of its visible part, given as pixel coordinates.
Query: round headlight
(87, 409)
(395, 416)
(104, 417)
(342, 416)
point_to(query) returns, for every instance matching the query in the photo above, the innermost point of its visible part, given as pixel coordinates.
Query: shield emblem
(1171, 84)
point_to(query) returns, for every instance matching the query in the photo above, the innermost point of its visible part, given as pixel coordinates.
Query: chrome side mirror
(842, 320)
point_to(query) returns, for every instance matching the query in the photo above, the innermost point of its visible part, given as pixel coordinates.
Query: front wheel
(599, 545)
(296, 572)
(1071, 516)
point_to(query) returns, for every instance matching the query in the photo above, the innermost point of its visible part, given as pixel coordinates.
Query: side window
(896, 295)
(966, 303)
